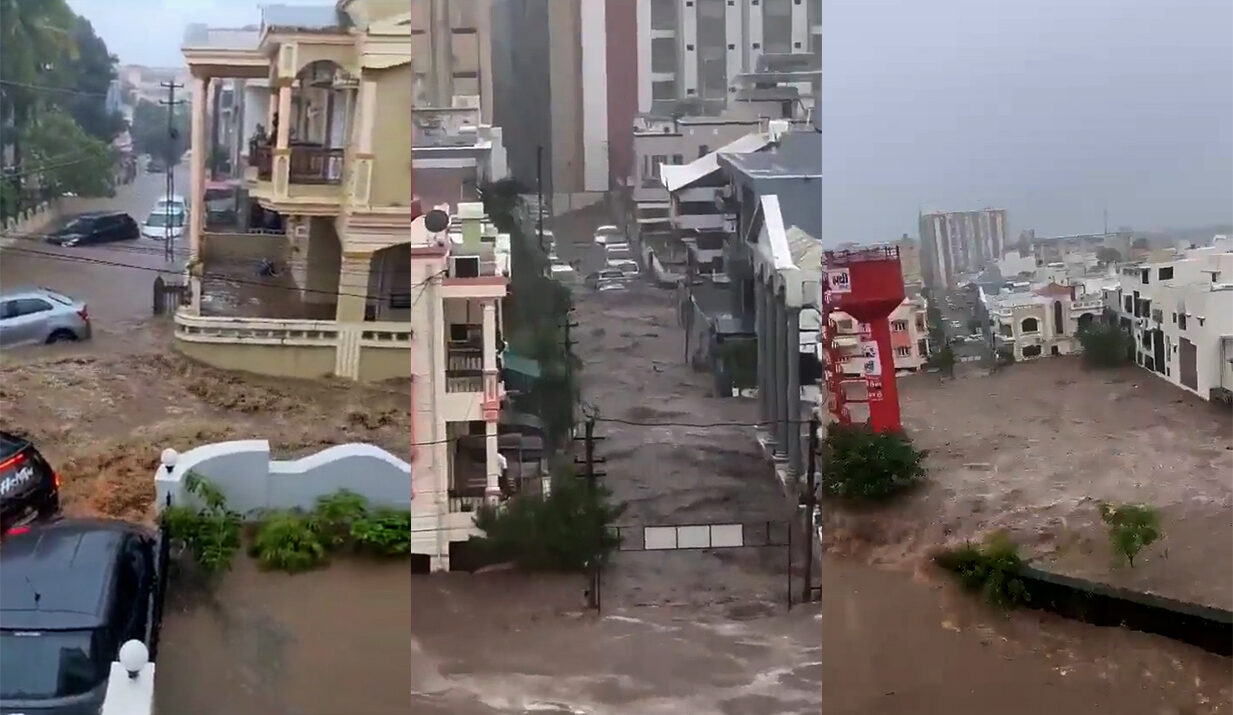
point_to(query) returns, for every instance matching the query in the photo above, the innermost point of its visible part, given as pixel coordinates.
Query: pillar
(492, 406)
(368, 115)
(354, 274)
(760, 324)
(772, 363)
(793, 412)
(781, 375)
(196, 187)
(283, 139)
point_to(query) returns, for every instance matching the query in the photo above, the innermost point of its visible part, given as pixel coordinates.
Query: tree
(37, 37)
(150, 133)
(1132, 527)
(1108, 256)
(944, 360)
(66, 159)
(863, 464)
(90, 72)
(1104, 345)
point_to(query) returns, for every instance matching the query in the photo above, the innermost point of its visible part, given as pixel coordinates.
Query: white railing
(280, 331)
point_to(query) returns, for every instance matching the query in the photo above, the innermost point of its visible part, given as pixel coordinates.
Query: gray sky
(1051, 109)
(148, 32)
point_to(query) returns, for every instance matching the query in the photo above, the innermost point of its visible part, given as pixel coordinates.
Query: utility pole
(539, 190)
(810, 501)
(592, 475)
(171, 102)
(567, 345)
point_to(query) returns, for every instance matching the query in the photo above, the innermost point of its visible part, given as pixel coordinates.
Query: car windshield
(48, 664)
(164, 218)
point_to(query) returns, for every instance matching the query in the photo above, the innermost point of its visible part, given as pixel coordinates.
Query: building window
(1029, 325)
(1181, 321)
(1006, 331)
(899, 326)
(1165, 273)
(903, 352)
(678, 159)
(703, 151)
(1129, 304)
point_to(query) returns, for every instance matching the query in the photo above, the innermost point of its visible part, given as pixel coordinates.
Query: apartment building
(1180, 314)
(461, 264)
(332, 181)
(453, 155)
(956, 242)
(909, 337)
(454, 38)
(695, 49)
(1032, 320)
(1054, 249)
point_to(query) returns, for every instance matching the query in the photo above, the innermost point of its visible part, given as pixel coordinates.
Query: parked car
(176, 202)
(74, 591)
(628, 268)
(41, 315)
(29, 487)
(615, 251)
(607, 274)
(563, 272)
(96, 228)
(163, 224)
(605, 234)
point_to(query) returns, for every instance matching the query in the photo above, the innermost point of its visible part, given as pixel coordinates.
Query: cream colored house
(909, 337)
(461, 275)
(334, 175)
(1042, 320)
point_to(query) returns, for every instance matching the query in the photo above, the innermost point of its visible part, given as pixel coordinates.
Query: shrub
(334, 515)
(568, 530)
(211, 533)
(1104, 345)
(290, 541)
(992, 571)
(863, 464)
(385, 532)
(1132, 528)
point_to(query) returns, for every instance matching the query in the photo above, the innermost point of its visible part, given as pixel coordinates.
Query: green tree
(37, 40)
(1104, 345)
(68, 159)
(864, 464)
(1108, 256)
(1132, 528)
(944, 360)
(152, 136)
(90, 71)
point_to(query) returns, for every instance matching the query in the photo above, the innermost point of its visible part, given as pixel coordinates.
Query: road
(117, 287)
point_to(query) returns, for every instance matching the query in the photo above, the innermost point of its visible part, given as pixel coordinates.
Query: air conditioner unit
(464, 266)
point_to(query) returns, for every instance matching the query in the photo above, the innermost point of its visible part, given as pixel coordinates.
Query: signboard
(870, 363)
(839, 280)
(873, 384)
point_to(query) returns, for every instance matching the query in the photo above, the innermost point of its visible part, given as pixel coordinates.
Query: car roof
(38, 292)
(58, 574)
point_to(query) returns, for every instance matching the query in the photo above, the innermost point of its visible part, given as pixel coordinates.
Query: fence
(243, 471)
(169, 296)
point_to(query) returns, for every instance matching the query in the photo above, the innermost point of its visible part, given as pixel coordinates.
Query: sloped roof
(678, 176)
(806, 251)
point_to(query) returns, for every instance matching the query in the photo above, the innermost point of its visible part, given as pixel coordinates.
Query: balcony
(464, 370)
(261, 158)
(316, 165)
(302, 178)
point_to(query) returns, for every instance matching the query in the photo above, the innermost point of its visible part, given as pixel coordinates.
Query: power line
(44, 88)
(44, 167)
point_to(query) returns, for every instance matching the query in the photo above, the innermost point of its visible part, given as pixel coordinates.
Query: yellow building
(323, 285)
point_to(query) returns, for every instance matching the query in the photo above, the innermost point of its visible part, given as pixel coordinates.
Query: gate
(168, 296)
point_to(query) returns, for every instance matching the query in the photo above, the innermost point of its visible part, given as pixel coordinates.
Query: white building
(957, 242)
(909, 337)
(1030, 321)
(1180, 314)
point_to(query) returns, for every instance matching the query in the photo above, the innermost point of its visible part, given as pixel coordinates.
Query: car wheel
(61, 336)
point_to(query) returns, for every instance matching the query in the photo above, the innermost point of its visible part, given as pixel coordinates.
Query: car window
(49, 664)
(27, 306)
(163, 218)
(80, 225)
(8, 309)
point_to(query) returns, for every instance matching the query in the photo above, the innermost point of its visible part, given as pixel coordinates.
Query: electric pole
(567, 345)
(810, 501)
(539, 191)
(592, 475)
(171, 102)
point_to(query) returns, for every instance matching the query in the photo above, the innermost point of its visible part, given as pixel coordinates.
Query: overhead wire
(55, 90)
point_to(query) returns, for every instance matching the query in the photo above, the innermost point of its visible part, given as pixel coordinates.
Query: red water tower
(867, 284)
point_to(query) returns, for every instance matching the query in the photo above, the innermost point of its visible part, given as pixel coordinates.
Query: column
(196, 188)
(354, 274)
(492, 403)
(781, 375)
(284, 113)
(763, 344)
(792, 344)
(772, 363)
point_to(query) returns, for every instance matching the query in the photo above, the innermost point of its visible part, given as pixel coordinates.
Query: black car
(29, 487)
(96, 228)
(72, 592)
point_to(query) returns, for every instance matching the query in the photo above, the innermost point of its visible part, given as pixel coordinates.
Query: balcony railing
(316, 165)
(464, 371)
(261, 156)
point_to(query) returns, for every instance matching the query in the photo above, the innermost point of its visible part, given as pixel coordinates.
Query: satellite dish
(436, 221)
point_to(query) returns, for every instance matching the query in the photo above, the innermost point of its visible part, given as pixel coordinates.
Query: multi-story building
(1055, 249)
(461, 267)
(909, 337)
(694, 49)
(955, 242)
(455, 38)
(454, 155)
(333, 176)
(1030, 321)
(1180, 314)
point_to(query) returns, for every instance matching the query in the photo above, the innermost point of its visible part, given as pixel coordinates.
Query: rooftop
(302, 18)
(198, 35)
(798, 154)
(676, 177)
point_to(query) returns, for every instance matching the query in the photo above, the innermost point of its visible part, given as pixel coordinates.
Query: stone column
(354, 274)
(492, 403)
(781, 374)
(772, 364)
(760, 323)
(793, 413)
(283, 139)
(196, 187)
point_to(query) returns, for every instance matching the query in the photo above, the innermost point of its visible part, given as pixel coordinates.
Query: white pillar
(492, 490)
(196, 186)
(284, 116)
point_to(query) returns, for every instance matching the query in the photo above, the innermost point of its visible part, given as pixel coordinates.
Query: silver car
(41, 315)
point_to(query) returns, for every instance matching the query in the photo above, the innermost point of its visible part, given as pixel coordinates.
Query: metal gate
(168, 296)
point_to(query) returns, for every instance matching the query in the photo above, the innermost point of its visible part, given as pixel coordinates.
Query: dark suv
(29, 487)
(96, 228)
(72, 592)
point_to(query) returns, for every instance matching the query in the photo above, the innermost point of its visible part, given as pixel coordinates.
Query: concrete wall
(46, 216)
(391, 173)
(218, 247)
(251, 481)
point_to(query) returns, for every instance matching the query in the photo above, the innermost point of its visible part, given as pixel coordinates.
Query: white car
(162, 224)
(627, 267)
(563, 272)
(608, 234)
(614, 251)
(175, 201)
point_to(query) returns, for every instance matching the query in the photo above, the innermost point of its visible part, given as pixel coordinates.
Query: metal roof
(676, 177)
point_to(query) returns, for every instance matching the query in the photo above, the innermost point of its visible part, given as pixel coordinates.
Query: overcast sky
(1051, 109)
(148, 32)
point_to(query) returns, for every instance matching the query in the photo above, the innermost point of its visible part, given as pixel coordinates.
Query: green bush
(211, 533)
(569, 530)
(993, 571)
(1132, 528)
(863, 464)
(385, 532)
(1104, 345)
(289, 541)
(334, 515)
